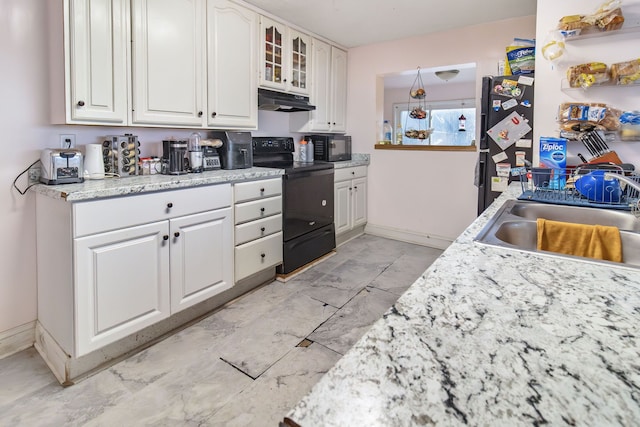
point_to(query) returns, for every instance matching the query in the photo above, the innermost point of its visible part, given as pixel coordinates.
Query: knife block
(610, 157)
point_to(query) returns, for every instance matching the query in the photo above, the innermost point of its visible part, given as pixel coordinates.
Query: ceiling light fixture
(447, 75)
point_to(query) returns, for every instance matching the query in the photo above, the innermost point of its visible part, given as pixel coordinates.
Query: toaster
(61, 166)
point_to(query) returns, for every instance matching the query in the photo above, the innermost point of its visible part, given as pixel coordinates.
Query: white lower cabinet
(350, 192)
(111, 267)
(122, 283)
(258, 226)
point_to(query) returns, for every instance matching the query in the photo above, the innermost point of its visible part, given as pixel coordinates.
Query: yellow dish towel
(591, 241)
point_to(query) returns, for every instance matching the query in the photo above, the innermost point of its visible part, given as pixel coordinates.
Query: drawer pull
(262, 190)
(262, 229)
(262, 255)
(261, 209)
(169, 205)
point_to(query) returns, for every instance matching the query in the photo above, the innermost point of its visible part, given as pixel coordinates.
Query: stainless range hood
(285, 102)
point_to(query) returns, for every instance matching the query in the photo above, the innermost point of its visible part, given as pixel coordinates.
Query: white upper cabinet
(231, 65)
(338, 110)
(284, 57)
(328, 92)
(95, 46)
(168, 62)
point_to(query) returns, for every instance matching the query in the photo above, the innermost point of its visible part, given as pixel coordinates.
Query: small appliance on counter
(93, 161)
(174, 157)
(210, 157)
(236, 151)
(330, 148)
(61, 166)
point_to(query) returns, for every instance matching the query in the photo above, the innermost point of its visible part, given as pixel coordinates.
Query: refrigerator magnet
(523, 143)
(525, 80)
(499, 184)
(499, 157)
(509, 104)
(509, 130)
(496, 104)
(526, 103)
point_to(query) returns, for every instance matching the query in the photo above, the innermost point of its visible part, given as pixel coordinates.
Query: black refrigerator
(506, 128)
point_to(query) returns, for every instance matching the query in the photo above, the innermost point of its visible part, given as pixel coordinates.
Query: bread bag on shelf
(589, 74)
(596, 115)
(626, 73)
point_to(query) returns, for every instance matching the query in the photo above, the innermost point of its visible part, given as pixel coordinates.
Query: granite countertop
(111, 187)
(492, 336)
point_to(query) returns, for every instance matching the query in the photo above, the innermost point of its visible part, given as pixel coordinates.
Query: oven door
(307, 202)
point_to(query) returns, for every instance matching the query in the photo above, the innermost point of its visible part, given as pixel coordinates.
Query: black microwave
(330, 148)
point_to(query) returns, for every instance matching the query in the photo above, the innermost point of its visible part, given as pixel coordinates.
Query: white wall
(610, 49)
(428, 196)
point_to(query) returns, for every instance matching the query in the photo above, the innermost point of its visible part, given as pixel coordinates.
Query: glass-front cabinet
(299, 47)
(284, 57)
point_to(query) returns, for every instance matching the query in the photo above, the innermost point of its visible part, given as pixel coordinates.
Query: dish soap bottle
(309, 151)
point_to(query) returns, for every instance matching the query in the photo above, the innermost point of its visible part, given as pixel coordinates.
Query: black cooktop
(277, 152)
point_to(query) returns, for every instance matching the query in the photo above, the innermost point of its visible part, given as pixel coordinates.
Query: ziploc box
(553, 155)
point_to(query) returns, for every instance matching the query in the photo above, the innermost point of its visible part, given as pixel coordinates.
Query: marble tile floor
(244, 365)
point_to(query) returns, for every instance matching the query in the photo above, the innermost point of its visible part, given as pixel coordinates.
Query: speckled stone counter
(110, 187)
(357, 159)
(491, 336)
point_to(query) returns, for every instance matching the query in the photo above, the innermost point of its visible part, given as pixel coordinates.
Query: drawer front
(253, 230)
(257, 209)
(126, 211)
(350, 173)
(258, 255)
(245, 191)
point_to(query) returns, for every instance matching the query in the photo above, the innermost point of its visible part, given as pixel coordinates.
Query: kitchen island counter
(491, 336)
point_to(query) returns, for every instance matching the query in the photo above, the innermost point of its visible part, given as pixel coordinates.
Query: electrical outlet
(34, 174)
(67, 141)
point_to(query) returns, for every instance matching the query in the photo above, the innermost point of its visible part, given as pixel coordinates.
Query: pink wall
(422, 196)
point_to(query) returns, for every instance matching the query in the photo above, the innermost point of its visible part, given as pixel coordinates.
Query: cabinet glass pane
(268, 73)
(277, 74)
(303, 80)
(277, 51)
(296, 79)
(303, 48)
(268, 36)
(277, 37)
(296, 60)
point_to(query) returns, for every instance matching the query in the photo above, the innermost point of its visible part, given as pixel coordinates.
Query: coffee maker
(174, 157)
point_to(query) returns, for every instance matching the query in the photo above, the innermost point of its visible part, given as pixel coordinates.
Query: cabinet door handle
(350, 188)
(262, 229)
(356, 188)
(199, 113)
(176, 234)
(353, 172)
(262, 190)
(262, 255)
(80, 103)
(261, 209)
(165, 237)
(169, 205)
(214, 114)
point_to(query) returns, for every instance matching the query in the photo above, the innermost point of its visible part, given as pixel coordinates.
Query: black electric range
(307, 202)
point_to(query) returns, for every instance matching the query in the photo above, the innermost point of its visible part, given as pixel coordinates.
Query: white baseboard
(430, 240)
(17, 339)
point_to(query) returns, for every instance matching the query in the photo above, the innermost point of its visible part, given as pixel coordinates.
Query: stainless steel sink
(576, 214)
(514, 226)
